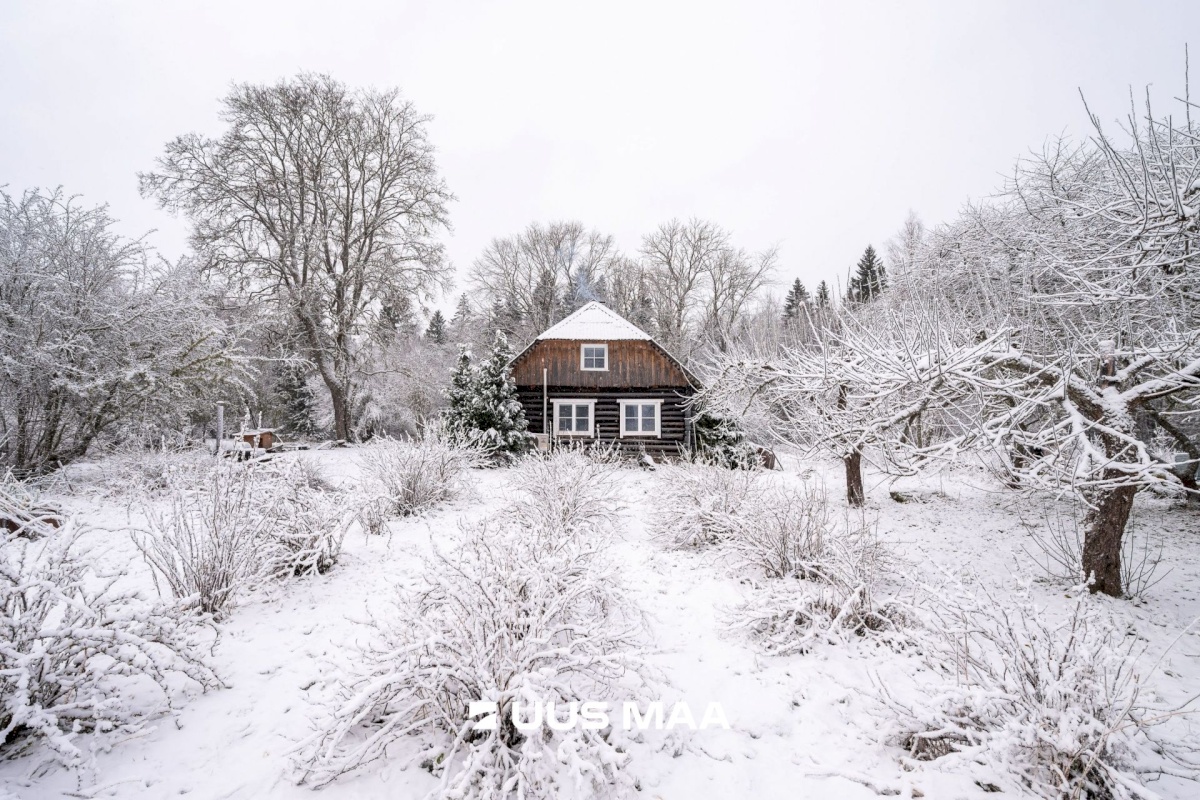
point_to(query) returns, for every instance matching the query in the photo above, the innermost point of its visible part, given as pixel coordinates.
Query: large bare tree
(324, 199)
(1088, 262)
(701, 285)
(544, 272)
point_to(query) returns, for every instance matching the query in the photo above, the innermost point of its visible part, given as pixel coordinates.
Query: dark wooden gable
(632, 364)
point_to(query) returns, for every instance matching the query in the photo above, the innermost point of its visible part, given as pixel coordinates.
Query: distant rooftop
(595, 322)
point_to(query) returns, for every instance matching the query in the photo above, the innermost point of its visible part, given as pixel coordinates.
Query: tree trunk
(1105, 529)
(340, 399)
(855, 495)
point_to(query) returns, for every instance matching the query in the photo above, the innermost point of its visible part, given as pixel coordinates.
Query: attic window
(594, 357)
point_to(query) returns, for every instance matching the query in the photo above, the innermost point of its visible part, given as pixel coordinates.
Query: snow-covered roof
(594, 322)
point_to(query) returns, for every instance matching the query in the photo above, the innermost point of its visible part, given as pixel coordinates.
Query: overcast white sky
(815, 126)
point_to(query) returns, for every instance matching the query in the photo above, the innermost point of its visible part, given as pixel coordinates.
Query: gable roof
(595, 321)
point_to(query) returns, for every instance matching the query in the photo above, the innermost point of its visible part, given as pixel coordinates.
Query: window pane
(564, 418)
(581, 419)
(648, 418)
(593, 358)
(631, 419)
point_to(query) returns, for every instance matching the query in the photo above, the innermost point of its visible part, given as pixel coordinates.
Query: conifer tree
(436, 332)
(461, 394)
(484, 409)
(299, 403)
(797, 298)
(869, 279)
(462, 312)
(823, 298)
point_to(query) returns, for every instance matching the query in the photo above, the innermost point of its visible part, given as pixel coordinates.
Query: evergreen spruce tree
(797, 298)
(436, 332)
(484, 409)
(869, 279)
(397, 320)
(823, 298)
(299, 403)
(463, 321)
(720, 442)
(462, 312)
(461, 394)
(499, 415)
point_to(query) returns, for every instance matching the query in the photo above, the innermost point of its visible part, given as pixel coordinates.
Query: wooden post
(220, 425)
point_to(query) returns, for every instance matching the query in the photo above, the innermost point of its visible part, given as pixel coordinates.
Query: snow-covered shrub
(206, 548)
(305, 525)
(785, 534)
(411, 477)
(568, 490)
(23, 514)
(701, 505)
(821, 588)
(1050, 708)
(507, 616)
(139, 472)
(77, 655)
(303, 473)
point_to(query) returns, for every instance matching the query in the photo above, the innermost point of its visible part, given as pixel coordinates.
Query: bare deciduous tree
(324, 199)
(700, 283)
(545, 272)
(1089, 259)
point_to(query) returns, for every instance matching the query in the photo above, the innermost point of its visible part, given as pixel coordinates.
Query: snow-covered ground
(800, 726)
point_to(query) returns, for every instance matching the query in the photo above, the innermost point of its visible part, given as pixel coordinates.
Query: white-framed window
(593, 357)
(641, 418)
(574, 417)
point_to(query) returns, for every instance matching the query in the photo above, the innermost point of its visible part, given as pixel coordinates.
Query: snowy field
(808, 725)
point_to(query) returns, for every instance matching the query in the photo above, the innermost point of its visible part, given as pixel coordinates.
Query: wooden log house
(596, 377)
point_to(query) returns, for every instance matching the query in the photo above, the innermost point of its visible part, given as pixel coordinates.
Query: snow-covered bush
(823, 582)
(139, 472)
(785, 534)
(701, 505)
(206, 548)
(410, 477)
(1049, 708)
(303, 473)
(508, 616)
(77, 655)
(23, 513)
(569, 490)
(721, 442)
(306, 524)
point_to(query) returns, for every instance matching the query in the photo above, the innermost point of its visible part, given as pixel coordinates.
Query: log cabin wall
(632, 364)
(637, 369)
(673, 415)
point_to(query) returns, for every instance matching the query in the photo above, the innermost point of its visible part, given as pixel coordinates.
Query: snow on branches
(246, 524)
(403, 478)
(896, 379)
(77, 654)
(515, 611)
(1035, 705)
